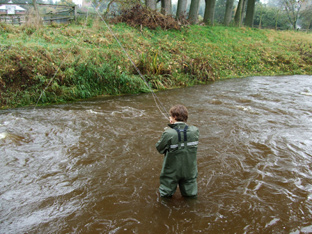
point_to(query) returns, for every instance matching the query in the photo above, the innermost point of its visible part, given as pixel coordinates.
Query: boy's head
(179, 113)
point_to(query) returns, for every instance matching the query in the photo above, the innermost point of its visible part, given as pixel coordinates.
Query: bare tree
(209, 11)
(292, 8)
(228, 12)
(38, 19)
(193, 14)
(181, 11)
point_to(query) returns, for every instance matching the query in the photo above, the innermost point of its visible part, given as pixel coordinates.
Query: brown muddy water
(92, 166)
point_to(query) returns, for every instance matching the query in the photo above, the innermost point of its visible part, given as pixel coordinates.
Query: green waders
(179, 144)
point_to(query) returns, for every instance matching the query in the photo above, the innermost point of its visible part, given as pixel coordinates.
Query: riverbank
(80, 61)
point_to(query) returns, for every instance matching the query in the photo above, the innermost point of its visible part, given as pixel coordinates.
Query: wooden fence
(55, 14)
(13, 19)
(62, 16)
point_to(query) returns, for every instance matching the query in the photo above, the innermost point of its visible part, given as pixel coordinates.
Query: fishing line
(59, 67)
(158, 103)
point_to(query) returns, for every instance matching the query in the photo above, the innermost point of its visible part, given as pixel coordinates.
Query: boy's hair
(179, 113)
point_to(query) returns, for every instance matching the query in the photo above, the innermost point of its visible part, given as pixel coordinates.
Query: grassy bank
(80, 61)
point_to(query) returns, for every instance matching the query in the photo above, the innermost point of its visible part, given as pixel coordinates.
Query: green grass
(75, 61)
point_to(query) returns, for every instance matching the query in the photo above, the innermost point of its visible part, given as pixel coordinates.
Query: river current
(92, 166)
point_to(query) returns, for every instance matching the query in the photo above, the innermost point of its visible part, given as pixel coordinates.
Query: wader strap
(184, 130)
(179, 135)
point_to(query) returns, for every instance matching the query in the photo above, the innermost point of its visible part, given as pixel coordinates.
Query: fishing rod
(158, 103)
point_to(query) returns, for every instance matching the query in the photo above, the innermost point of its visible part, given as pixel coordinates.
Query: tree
(292, 8)
(115, 4)
(219, 11)
(38, 19)
(151, 4)
(250, 14)
(270, 17)
(209, 11)
(201, 10)
(166, 7)
(239, 13)
(306, 16)
(193, 14)
(261, 8)
(181, 11)
(228, 12)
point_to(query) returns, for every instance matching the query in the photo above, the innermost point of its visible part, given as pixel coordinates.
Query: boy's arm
(162, 145)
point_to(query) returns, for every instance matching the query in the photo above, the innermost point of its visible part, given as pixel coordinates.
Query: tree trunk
(38, 20)
(181, 11)
(209, 11)
(250, 14)
(239, 13)
(260, 21)
(193, 14)
(166, 7)
(228, 12)
(276, 19)
(151, 4)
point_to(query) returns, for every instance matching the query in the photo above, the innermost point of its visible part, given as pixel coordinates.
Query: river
(92, 166)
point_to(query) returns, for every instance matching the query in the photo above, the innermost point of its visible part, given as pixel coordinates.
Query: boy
(179, 144)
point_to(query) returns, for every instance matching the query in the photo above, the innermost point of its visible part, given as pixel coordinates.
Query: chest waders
(179, 166)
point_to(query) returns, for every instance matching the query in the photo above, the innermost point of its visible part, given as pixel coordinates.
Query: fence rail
(13, 19)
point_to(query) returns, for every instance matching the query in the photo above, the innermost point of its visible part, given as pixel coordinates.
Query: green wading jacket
(180, 156)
